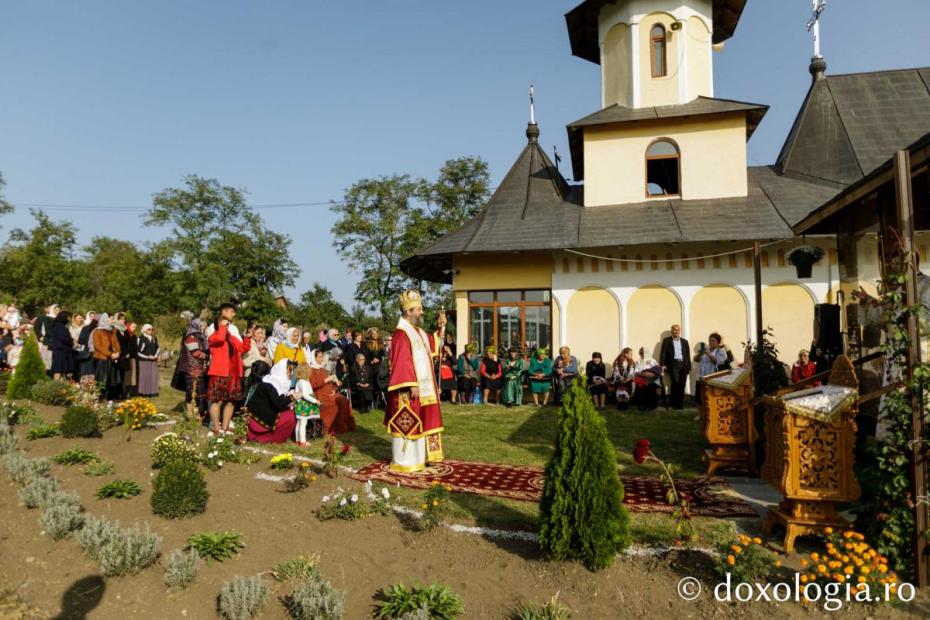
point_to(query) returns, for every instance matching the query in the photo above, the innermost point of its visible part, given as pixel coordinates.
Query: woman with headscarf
(290, 348)
(43, 332)
(190, 371)
(147, 361)
(335, 408)
(62, 346)
(307, 343)
(540, 375)
(74, 328)
(513, 378)
(492, 372)
(85, 350)
(106, 358)
(647, 382)
(269, 403)
(258, 351)
(467, 369)
(278, 335)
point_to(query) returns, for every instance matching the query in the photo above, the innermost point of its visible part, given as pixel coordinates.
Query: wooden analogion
(726, 420)
(810, 439)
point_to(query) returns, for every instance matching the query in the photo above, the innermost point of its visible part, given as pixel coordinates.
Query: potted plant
(804, 258)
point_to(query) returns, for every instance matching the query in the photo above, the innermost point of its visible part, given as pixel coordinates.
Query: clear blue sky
(106, 103)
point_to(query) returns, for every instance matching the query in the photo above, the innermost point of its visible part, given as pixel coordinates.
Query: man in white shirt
(675, 358)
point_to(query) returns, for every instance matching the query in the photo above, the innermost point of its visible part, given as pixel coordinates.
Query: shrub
(42, 431)
(38, 492)
(135, 412)
(242, 598)
(350, 507)
(219, 451)
(551, 610)
(581, 514)
(282, 461)
(99, 468)
(75, 456)
(129, 551)
(179, 490)
(13, 414)
(441, 602)
(746, 559)
(181, 569)
(315, 599)
(301, 567)
(8, 443)
(300, 480)
(29, 371)
(435, 505)
(217, 546)
(79, 421)
(57, 393)
(62, 515)
(171, 447)
(22, 470)
(119, 489)
(848, 558)
(96, 533)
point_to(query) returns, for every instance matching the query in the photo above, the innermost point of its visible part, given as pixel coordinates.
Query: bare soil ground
(43, 578)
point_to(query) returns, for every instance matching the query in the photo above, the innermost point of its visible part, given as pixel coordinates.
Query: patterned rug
(642, 493)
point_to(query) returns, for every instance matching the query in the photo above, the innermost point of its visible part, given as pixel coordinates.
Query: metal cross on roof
(532, 104)
(814, 24)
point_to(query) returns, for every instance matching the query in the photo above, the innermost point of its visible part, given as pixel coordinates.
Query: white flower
(325, 498)
(385, 493)
(219, 440)
(210, 434)
(354, 498)
(220, 463)
(343, 502)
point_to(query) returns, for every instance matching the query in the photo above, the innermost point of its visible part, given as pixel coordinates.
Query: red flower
(641, 451)
(345, 448)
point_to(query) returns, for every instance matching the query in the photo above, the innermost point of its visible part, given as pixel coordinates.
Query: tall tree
(38, 265)
(222, 248)
(316, 306)
(5, 207)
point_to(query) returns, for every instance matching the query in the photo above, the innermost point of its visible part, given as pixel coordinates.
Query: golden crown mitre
(410, 299)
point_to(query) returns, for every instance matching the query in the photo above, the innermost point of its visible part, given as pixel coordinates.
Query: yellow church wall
(721, 309)
(491, 272)
(700, 62)
(652, 311)
(789, 310)
(593, 323)
(461, 313)
(713, 158)
(656, 91)
(616, 67)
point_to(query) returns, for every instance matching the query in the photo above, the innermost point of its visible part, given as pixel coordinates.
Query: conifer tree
(582, 515)
(29, 371)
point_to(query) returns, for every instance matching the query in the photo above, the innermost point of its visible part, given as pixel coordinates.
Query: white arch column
(562, 296)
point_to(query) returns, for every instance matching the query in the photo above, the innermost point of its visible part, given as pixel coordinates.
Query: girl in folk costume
(306, 407)
(290, 349)
(513, 379)
(147, 353)
(413, 416)
(224, 377)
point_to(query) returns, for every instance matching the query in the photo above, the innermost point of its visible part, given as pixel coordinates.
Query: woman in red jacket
(804, 368)
(224, 378)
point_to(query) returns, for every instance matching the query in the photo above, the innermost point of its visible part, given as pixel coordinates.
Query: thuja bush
(62, 515)
(181, 569)
(242, 598)
(79, 421)
(38, 492)
(179, 490)
(57, 393)
(315, 599)
(29, 371)
(581, 514)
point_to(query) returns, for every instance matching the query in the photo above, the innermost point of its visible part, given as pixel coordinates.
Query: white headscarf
(279, 378)
(289, 335)
(646, 361)
(145, 328)
(313, 363)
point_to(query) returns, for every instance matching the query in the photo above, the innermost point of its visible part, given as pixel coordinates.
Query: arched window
(662, 169)
(657, 47)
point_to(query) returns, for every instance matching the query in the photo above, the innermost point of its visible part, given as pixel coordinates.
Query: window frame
(653, 39)
(523, 304)
(648, 158)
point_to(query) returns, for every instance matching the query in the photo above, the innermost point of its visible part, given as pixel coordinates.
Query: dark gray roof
(850, 124)
(583, 29)
(701, 106)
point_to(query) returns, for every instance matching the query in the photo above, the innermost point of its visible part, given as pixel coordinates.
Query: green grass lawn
(526, 436)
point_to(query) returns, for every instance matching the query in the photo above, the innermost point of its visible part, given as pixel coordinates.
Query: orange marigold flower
(757, 540)
(828, 530)
(731, 560)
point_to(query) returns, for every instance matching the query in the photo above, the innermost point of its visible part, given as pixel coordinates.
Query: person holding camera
(710, 358)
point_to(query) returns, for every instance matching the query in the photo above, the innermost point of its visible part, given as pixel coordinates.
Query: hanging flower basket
(804, 258)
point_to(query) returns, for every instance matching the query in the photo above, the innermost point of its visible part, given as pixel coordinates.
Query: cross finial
(532, 105)
(813, 25)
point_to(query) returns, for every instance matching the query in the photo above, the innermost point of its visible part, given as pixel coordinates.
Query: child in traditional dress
(306, 407)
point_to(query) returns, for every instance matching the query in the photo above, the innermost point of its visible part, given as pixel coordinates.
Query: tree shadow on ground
(377, 446)
(81, 597)
(537, 433)
(495, 513)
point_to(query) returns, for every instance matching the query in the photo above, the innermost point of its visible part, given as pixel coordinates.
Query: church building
(658, 224)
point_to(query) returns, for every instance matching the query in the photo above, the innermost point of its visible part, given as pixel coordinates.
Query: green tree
(38, 265)
(317, 306)
(581, 515)
(5, 207)
(29, 371)
(222, 248)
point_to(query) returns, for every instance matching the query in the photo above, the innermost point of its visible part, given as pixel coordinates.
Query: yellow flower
(847, 534)
(821, 568)
(865, 570)
(828, 530)
(736, 548)
(757, 540)
(777, 563)
(815, 556)
(849, 570)
(803, 578)
(423, 506)
(731, 560)
(883, 569)
(803, 562)
(861, 579)
(435, 502)
(305, 465)
(435, 483)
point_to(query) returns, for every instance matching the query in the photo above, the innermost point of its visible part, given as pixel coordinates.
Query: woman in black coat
(85, 355)
(62, 346)
(360, 382)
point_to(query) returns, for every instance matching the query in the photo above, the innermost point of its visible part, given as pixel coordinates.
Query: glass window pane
(509, 330)
(537, 296)
(658, 31)
(538, 328)
(482, 327)
(662, 148)
(509, 296)
(481, 296)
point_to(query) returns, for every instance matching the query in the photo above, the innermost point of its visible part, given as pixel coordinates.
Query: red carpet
(642, 493)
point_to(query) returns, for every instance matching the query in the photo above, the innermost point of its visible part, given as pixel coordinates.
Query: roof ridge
(772, 202)
(877, 71)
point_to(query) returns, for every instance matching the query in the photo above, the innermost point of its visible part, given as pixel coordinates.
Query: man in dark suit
(675, 358)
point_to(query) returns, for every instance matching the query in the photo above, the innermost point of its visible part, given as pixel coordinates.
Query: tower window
(658, 41)
(663, 176)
